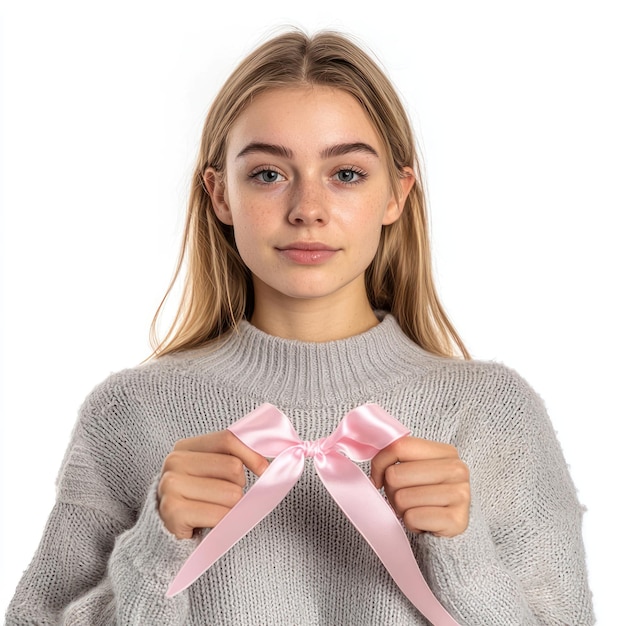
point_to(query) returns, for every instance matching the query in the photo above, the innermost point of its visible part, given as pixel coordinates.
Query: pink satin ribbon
(361, 434)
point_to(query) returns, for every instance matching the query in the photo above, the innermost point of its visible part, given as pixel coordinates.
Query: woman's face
(307, 190)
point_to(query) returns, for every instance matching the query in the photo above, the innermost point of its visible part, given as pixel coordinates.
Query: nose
(308, 204)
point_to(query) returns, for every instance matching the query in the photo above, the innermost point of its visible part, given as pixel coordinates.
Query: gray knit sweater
(106, 557)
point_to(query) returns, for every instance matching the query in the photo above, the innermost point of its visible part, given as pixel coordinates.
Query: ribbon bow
(361, 434)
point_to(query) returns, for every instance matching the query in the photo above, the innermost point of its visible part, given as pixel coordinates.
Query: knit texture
(106, 557)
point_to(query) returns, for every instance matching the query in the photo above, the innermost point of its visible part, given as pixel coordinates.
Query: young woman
(308, 286)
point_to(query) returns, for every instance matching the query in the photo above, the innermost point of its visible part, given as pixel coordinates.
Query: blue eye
(267, 176)
(346, 176)
(350, 176)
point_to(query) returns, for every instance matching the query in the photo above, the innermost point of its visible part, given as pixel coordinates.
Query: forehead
(305, 119)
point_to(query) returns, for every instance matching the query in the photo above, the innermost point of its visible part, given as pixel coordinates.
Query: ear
(215, 185)
(395, 207)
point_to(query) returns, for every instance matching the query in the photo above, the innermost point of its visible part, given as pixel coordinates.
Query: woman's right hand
(202, 479)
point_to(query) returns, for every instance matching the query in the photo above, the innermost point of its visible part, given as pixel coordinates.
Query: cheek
(250, 224)
(244, 212)
(246, 235)
(370, 245)
(247, 207)
(367, 219)
(370, 229)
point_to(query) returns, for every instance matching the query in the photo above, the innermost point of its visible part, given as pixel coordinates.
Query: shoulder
(474, 401)
(497, 412)
(134, 384)
(487, 381)
(144, 402)
(447, 386)
(127, 425)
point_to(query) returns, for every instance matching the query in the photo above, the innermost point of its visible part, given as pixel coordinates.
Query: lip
(307, 252)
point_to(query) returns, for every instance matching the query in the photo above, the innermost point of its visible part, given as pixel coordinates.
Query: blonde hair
(217, 291)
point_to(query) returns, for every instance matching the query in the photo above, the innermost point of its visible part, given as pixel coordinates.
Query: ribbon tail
(266, 493)
(375, 520)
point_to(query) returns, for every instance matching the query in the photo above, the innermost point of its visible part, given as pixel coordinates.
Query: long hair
(217, 291)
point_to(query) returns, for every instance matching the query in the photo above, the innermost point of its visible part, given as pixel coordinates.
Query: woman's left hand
(426, 483)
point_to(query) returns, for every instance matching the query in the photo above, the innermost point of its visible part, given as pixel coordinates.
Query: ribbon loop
(360, 435)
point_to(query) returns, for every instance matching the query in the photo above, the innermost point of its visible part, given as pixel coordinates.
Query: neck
(313, 320)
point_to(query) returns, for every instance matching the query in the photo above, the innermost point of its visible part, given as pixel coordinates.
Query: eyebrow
(268, 148)
(347, 148)
(332, 151)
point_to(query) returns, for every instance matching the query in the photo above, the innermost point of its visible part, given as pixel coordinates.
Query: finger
(219, 441)
(430, 496)
(428, 472)
(210, 490)
(224, 442)
(440, 521)
(181, 517)
(206, 464)
(408, 449)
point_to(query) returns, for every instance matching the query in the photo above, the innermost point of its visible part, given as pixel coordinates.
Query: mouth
(307, 253)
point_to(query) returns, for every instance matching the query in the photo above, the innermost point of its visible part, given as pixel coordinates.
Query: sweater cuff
(464, 570)
(144, 561)
(150, 547)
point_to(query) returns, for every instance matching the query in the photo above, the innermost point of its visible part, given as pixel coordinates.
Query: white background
(519, 107)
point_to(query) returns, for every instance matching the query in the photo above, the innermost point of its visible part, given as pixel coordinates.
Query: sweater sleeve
(101, 560)
(521, 559)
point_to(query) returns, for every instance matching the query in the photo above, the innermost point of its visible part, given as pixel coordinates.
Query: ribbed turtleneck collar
(295, 373)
